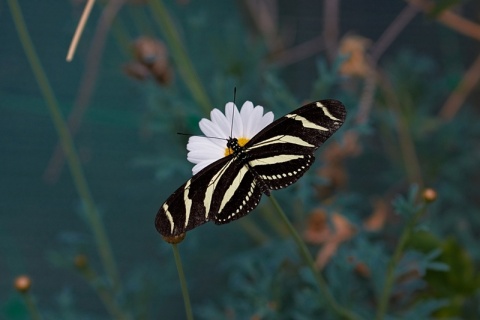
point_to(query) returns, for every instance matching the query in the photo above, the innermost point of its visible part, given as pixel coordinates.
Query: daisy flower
(203, 151)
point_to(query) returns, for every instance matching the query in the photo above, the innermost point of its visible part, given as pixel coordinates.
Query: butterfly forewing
(282, 152)
(274, 158)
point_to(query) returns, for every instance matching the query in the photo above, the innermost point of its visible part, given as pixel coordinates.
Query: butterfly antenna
(191, 134)
(233, 109)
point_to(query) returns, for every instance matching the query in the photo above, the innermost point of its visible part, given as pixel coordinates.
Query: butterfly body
(273, 159)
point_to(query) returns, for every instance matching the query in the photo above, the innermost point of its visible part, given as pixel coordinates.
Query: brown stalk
(472, 75)
(299, 52)
(330, 27)
(378, 49)
(79, 30)
(264, 14)
(460, 93)
(392, 31)
(451, 19)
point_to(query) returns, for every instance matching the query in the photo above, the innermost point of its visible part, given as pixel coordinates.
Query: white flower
(246, 124)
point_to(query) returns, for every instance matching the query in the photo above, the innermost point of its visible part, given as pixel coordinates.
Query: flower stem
(322, 284)
(179, 54)
(183, 283)
(105, 295)
(392, 264)
(31, 306)
(93, 217)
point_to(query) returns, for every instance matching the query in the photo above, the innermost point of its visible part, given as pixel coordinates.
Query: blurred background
(393, 195)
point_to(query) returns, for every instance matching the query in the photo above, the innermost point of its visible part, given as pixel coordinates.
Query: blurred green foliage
(250, 269)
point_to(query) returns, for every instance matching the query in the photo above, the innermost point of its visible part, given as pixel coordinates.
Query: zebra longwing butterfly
(232, 186)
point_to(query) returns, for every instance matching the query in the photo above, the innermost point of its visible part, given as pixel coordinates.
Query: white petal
(211, 129)
(253, 126)
(221, 121)
(247, 113)
(196, 142)
(246, 110)
(248, 122)
(265, 120)
(199, 166)
(198, 156)
(236, 126)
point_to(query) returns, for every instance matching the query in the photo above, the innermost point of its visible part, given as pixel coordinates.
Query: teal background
(38, 217)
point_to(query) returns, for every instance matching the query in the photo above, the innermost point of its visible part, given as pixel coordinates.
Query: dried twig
(392, 31)
(264, 14)
(299, 52)
(458, 96)
(451, 19)
(330, 27)
(79, 30)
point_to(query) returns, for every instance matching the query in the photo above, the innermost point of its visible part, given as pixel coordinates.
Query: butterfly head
(233, 146)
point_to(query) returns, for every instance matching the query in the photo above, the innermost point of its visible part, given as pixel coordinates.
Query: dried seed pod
(22, 283)
(377, 219)
(136, 70)
(355, 48)
(153, 54)
(175, 239)
(80, 261)
(429, 195)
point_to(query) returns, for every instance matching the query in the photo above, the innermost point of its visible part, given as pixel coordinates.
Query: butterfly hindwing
(241, 195)
(274, 158)
(191, 204)
(280, 171)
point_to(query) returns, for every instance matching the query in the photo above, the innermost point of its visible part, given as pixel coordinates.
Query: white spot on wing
(169, 217)
(305, 122)
(275, 159)
(188, 202)
(283, 139)
(326, 112)
(207, 201)
(233, 187)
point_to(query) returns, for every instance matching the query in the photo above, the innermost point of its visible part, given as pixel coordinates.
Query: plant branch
(80, 182)
(79, 30)
(179, 54)
(392, 31)
(460, 93)
(103, 293)
(397, 255)
(183, 283)
(32, 308)
(451, 19)
(307, 258)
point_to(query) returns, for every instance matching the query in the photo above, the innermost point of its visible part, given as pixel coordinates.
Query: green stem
(183, 283)
(105, 295)
(322, 284)
(31, 306)
(179, 54)
(76, 170)
(392, 264)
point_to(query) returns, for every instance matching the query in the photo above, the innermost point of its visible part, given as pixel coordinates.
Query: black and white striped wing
(273, 159)
(223, 191)
(283, 151)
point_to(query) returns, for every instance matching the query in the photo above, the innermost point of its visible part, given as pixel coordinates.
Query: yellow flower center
(241, 143)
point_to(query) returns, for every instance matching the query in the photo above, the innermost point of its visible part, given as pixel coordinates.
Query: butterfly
(232, 186)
